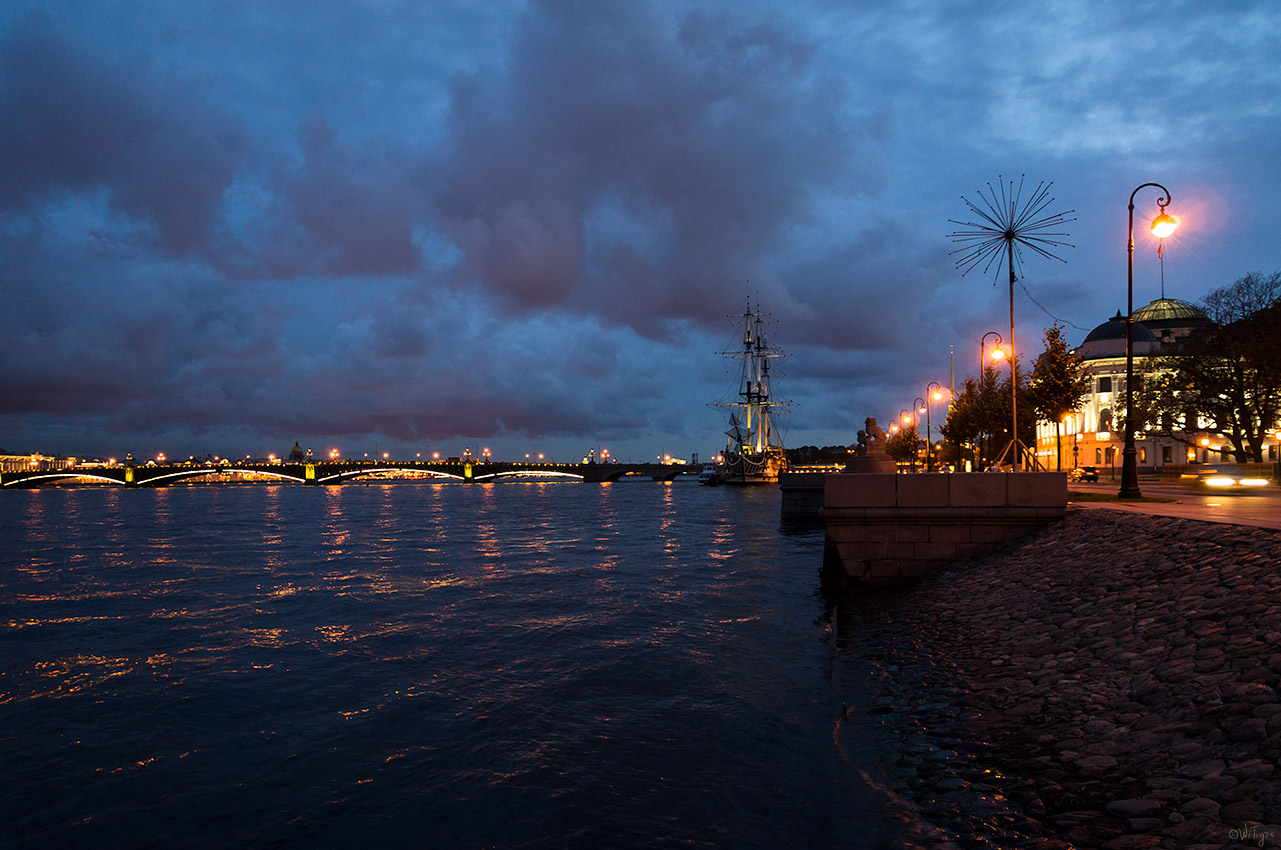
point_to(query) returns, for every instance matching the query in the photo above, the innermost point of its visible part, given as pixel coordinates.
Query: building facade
(1094, 434)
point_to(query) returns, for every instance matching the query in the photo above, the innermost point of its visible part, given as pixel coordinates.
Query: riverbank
(1111, 681)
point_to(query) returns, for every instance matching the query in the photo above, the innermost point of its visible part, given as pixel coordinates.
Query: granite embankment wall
(888, 528)
(1109, 681)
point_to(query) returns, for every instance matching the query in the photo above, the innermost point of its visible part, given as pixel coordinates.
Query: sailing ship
(754, 451)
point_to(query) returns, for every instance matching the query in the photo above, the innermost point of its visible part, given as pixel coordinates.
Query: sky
(408, 227)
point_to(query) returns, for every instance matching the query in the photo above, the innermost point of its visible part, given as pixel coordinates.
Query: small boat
(711, 475)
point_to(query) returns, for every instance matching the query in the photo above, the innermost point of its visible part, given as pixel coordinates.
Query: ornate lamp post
(997, 352)
(929, 440)
(918, 407)
(1162, 226)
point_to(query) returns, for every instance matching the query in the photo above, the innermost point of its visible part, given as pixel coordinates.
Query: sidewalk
(1260, 512)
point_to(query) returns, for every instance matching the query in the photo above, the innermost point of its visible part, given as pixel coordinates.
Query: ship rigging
(754, 452)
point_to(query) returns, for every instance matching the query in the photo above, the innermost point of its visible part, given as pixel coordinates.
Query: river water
(518, 665)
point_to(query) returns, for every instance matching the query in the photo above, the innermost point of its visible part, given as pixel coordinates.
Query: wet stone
(1072, 697)
(1133, 808)
(1202, 806)
(1201, 769)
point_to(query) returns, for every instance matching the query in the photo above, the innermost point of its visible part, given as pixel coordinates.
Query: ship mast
(753, 438)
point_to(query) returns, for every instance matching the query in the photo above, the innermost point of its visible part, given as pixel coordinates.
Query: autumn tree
(1057, 386)
(902, 445)
(1224, 379)
(962, 425)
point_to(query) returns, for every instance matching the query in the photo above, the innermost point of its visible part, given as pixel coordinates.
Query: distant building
(1095, 434)
(296, 454)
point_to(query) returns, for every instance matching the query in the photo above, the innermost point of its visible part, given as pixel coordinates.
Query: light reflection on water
(516, 665)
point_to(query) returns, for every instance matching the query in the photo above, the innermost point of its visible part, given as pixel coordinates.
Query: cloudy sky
(424, 226)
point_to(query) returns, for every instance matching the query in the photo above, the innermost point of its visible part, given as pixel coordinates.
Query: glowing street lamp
(1162, 226)
(998, 353)
(918, 406)
(937, 395)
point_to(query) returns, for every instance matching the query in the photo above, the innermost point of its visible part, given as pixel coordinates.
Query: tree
(980, 415)
(962, 424)
(902, 446)
(1057, 386)
(1226, 378)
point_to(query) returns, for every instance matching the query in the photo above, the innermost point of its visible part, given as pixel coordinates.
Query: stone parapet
(802, 494)
(884, 529)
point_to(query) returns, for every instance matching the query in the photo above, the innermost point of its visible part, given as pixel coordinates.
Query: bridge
(316, 472)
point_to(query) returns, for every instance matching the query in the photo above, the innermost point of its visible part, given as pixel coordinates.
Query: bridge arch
(35, 480)
(348, 474)
(528, 473)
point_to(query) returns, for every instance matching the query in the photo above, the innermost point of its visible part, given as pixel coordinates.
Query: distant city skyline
(402, 227)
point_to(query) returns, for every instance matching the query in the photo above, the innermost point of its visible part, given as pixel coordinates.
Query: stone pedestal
(884, 529)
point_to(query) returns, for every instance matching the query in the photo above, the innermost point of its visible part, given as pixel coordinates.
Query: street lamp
(1162, 226)
(929, 439)
(997, 352)
(918, 406)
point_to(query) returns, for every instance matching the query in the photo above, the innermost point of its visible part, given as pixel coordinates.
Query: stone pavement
(1111, 681)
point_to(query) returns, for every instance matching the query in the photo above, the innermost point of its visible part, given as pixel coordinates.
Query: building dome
(1114, 328)
(1169, 309)
(1108, 340)
(1171, 319)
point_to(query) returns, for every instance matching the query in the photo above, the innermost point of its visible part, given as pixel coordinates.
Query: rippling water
(418, 665)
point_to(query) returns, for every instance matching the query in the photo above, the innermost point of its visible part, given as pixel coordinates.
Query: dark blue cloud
(72, 122)
(242, 224)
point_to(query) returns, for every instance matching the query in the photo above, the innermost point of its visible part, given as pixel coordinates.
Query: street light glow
(1164, 224)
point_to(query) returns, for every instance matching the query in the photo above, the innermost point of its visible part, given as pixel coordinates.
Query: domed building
(1170, 319)
(1095, 433)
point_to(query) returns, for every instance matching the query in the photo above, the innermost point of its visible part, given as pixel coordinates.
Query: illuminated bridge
(336, 472)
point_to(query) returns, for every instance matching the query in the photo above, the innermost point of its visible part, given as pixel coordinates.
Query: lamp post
(997, 351)
(997, 354)
(929, 439)
(918, 407)
(1162, 226)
